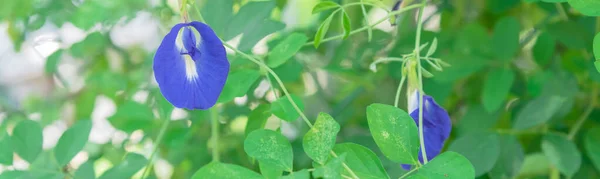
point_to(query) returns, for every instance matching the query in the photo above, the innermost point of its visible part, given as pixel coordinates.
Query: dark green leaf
(127, 168)
(222, 170)
(322, 31)
(283, 109)
(592, 146)
(496, 88)
(597, 46)
(476, 119)
(258, 118)
(286, 49)
(586, 7)
(132, 116)
(27, 140)
(481, 149)
(72, 141)
(449, 165)
(238, 83)
(511, 158)
(561, 153)
(571, 34)
(554, 1)
(325, 5)
(362, 161)
(395, 133)
(270, 148)
(538, 111)
(505, 40)
(320, 139)
(544, 49)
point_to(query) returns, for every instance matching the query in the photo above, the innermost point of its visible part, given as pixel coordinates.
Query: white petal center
(190, 68)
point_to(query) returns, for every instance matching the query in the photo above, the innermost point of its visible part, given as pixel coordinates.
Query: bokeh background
(62, 61)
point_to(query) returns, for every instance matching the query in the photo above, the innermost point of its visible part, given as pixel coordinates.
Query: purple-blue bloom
(436, 125)
(191, 66)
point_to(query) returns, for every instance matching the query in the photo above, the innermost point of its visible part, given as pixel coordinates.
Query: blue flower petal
(436, 126)
(190, 71)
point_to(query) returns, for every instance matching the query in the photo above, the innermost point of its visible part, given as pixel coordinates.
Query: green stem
(408, 173)
(399, 90)
(562, 11)
(369, 26)
(365, 16)
(214, 117)
(420, 76)
(159, 139)
(584, 116)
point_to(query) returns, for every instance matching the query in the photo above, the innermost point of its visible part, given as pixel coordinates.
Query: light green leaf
(320, 139)
(286, 49)
(544, 48)
(13, 174)
(562, 153)
(258, 118)
(505, 40)
(481, 149)
(534, 165)
(554, 1)
(27, 140)
(85, 171)
(238, 83)
(538, 111)
(222, 170)
(72, 141)
(6, 148)
(325, 5)
(362, 161)
(332, 169)
(432, 48)
(322, 31)
(597, 46)
(496, 88)
(346, 24)
(269, 172)
(395, 133)
(448, 165)
(586, 7)
(302, 174)
(127, 168)
(283, 109)
(592, 146)
(253, 35)
(52, 62)
(217, 14)
(250, 16)
(132, 116)
(270, 148)
(597, 64)
(511, 158)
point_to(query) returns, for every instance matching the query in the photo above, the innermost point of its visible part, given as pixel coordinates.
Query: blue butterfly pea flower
(436, 125)
(191, 66)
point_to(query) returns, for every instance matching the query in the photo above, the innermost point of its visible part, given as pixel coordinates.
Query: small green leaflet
(432, 48)
(544, 48)
(346, 24)
(535, 164)
(286, 49)
(52, 62)
(448, 165)
(132, 116)
(597, 51)
(72, 141)
(332, 169)
(85, 170)
(496, 88)
(562, 153)
(131, 164)
(476, 119)
(586, 7)
(505, 40)
(320, 139)
(395, 133)
(511, 158)
(538, 111)
(481, 149)
(258, 118)
(283, 109)
(592, 146)
(323, 6)
(223, 170)
(6, 148)
(27, 140)
(302, 174)
(362, 161)
(270, 148)
(238, 83)
(320, 35)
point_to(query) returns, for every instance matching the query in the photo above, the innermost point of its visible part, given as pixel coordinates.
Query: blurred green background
(522, 75)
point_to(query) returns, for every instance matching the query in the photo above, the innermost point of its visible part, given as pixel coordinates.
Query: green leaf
(346, 24)
(447, 165)
(562, 153)
(511, 158)
(52, 62)
(72, 141)
(586, 7)
(496, 88)
(323, 6)
(302, 174)
(481, 149)
(238, 83)
(217, 14)
(505, 40)
(253, 21)
(332, 169)
(362, 161)
(27, 140)
(255, 34)
(322, 31)
(597, 64)
(554, 1)
(286, 49)
(544, 48)
(132, 116)
(127, 168)
(534, 165)
(283, 109)
(592, 146)
(395, 133)
(269, 172)
(597, 46)
(13, 174)
(223, 170)
(432, 48)
(476, 119)
(85, 171)
(320, 139)
(6, 148)
(258, 118)
(571, 34)
(270, 148)
(538, 111)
